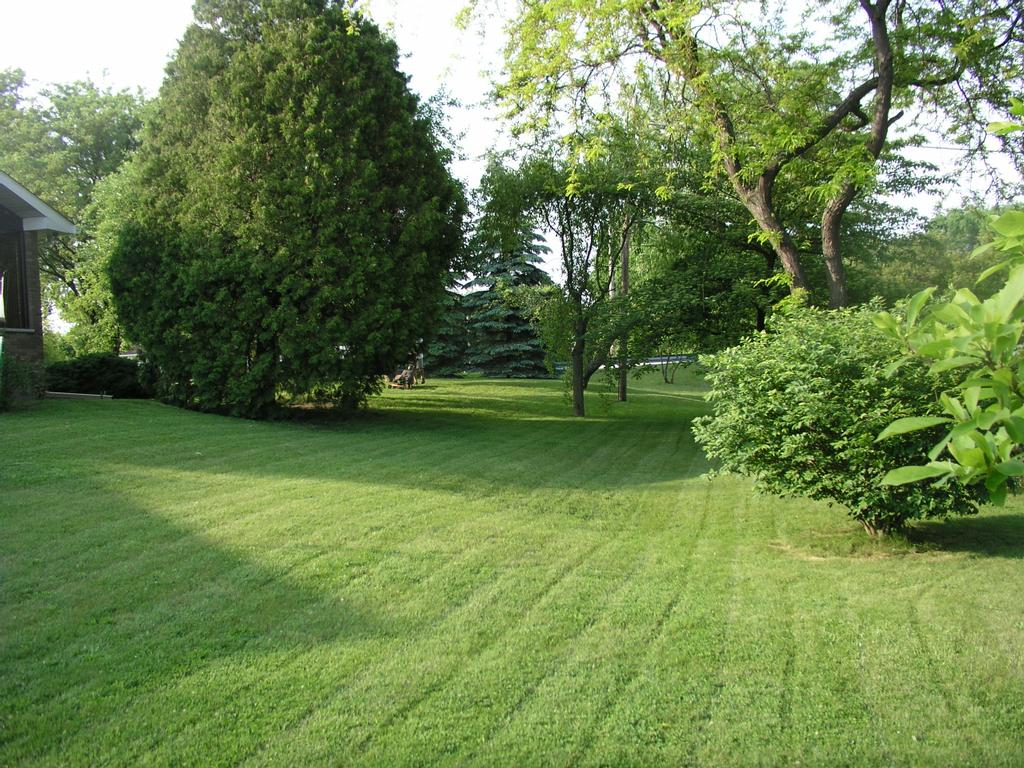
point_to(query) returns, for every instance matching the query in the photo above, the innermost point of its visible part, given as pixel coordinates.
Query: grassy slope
(467, 576)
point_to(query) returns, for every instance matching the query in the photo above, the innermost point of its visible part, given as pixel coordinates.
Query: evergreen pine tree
(502, 341)
(446, 353)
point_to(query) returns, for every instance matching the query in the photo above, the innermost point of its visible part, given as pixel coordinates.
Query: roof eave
(50, 224)
(47, 219)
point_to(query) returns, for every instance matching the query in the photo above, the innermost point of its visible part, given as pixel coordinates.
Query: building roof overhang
(36, 216)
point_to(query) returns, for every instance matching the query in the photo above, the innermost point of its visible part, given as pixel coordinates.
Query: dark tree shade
(297, 217)
(446, 352)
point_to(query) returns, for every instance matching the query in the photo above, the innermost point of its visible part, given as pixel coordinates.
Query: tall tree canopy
(789, 107)
(591, 217)
(296, 218)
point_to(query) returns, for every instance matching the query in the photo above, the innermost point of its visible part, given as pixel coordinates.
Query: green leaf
(1004, 127)
(939, 447)
(953, 362)
(971, 397)
(905, 475)
(1010, 295)
(992, 270)
(890, 370)
(1010, 224)
(936, 347)
(951, 314)
(997, 494)
(911, 424)
(1015, 428)
(1011, 468)
(915, 305)
(954, 407)
(887, 323)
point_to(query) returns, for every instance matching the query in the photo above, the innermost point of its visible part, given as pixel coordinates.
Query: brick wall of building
(23, 349)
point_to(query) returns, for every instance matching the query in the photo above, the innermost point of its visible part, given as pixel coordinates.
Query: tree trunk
(762, 309)
(758, 200)
(835, 209)
(623, 372)
(578, 349)
(624, 292)
(831, 219)
(880, 531)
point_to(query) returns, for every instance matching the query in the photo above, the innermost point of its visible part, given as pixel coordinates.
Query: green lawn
(467, 576)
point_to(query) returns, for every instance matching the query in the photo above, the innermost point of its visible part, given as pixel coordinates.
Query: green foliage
(589, 212)
(942, 252)
(55, 347)
(1006, 127)
(19, 380)
(502, 341)
(63, 145)
(979, 342)
(97, 374)
(697, 288)
(296, 221)
(794, 111)
(798, 409)
(115, 204)
(446, 351)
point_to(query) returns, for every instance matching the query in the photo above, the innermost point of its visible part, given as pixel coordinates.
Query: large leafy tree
(296, 221)
(786, 111)
(700, 289)
(62, 144)
(591, 217)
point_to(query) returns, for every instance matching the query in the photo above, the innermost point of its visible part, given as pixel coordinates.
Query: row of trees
(785, 130)
(793, 116)
(685, 186)
(281, 221)
(692, 161)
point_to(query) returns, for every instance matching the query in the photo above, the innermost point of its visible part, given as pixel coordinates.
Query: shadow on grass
(114, 606)
(987, 534)
(486, 441)
(515, 436)
(993, 535)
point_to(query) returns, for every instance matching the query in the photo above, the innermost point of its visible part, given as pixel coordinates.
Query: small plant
(797, 408)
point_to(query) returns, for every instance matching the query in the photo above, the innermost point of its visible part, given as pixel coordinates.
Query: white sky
(127, 43)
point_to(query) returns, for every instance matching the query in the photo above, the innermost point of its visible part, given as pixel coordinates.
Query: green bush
(798, 409)
(291, 221)
(97, 374)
